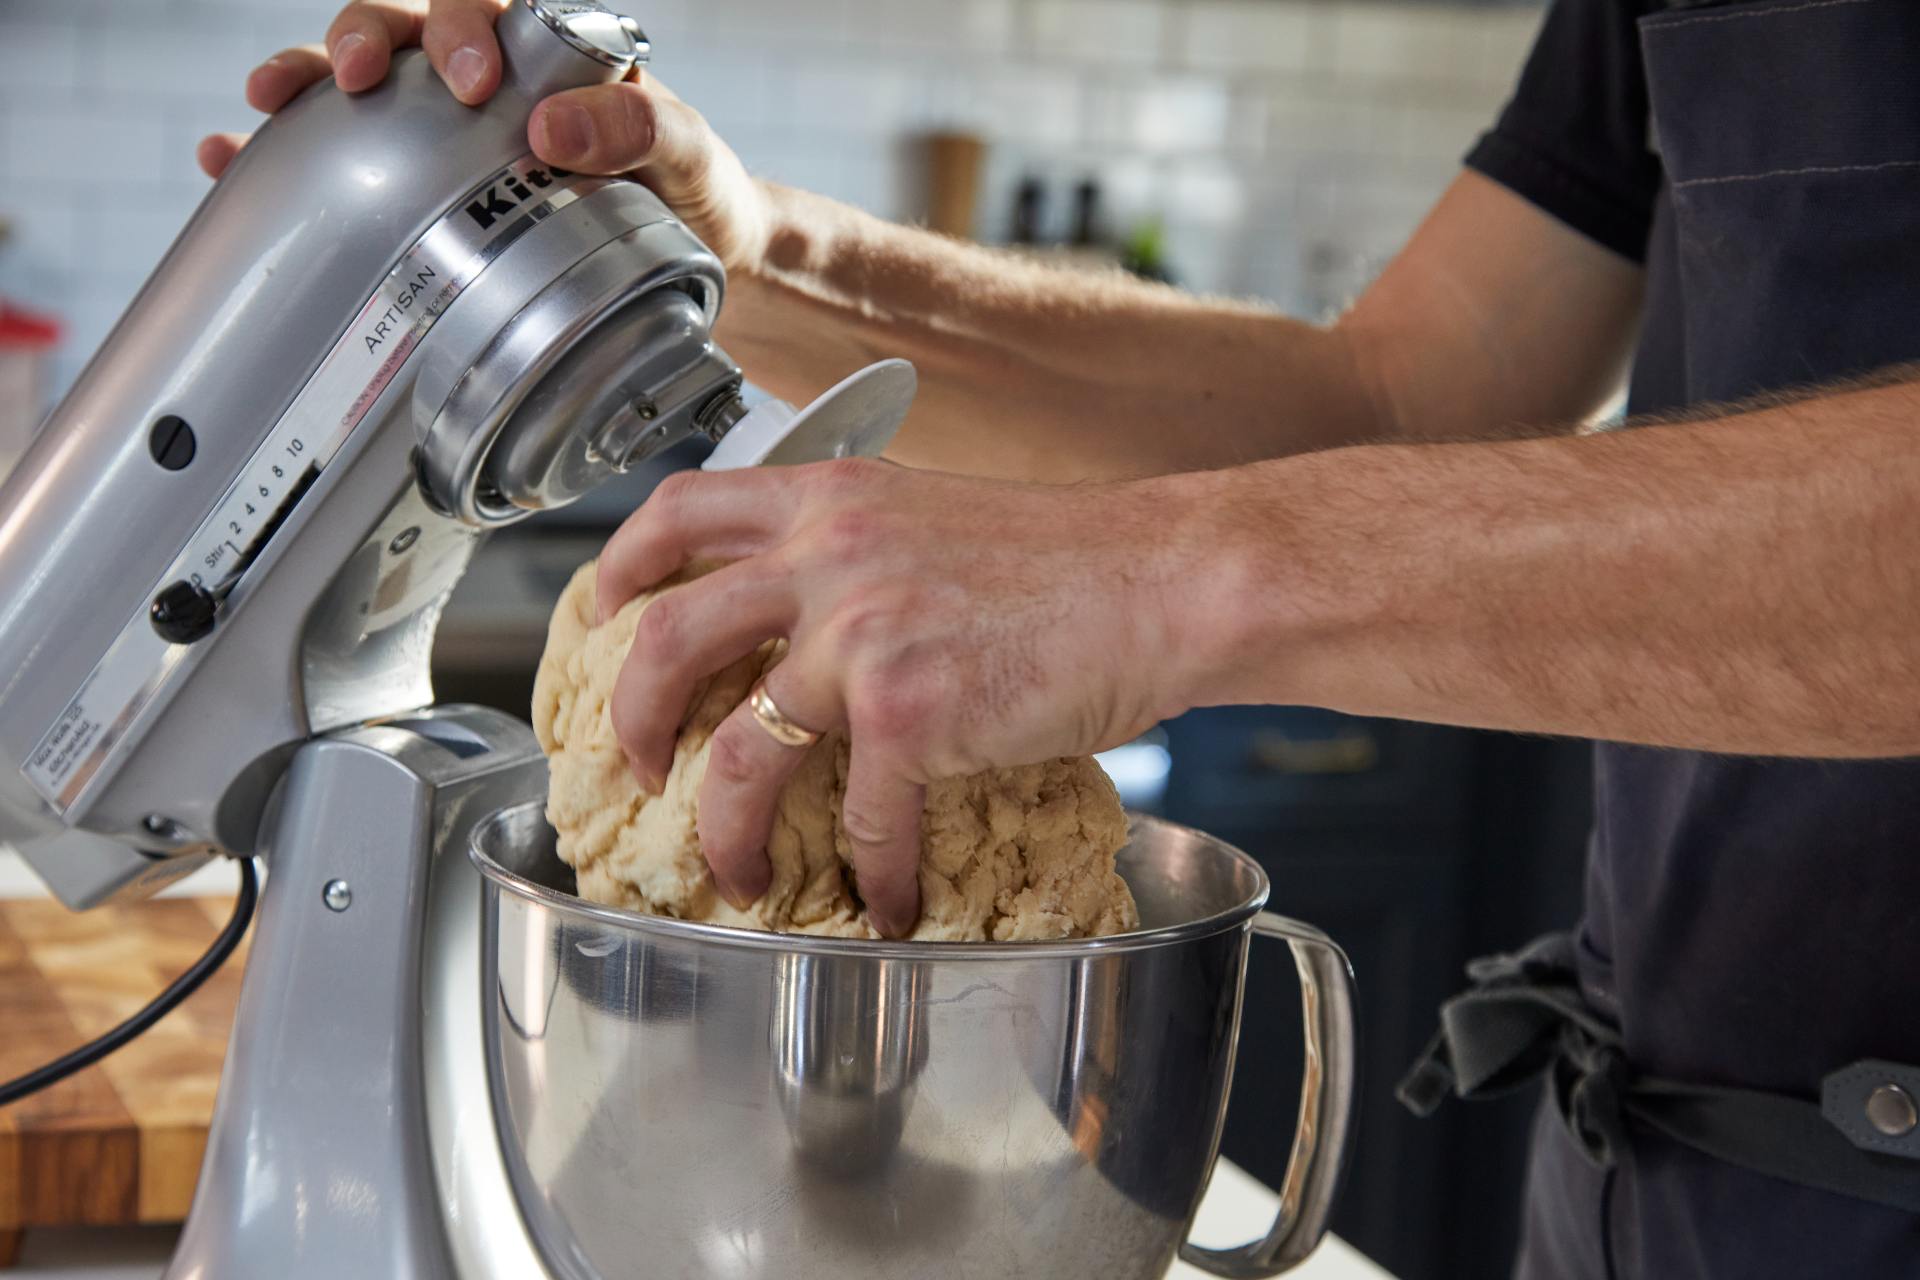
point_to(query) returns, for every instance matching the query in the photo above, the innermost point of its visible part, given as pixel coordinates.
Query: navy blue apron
(1751, 943)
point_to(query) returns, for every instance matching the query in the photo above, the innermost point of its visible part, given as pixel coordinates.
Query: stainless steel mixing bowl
(685, 1100)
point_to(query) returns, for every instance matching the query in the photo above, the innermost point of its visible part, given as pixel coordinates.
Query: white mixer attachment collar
(857, 418)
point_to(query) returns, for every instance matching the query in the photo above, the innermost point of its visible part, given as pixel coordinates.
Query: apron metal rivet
(1891, 1111)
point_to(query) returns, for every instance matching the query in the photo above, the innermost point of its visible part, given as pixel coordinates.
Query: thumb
(619, 127)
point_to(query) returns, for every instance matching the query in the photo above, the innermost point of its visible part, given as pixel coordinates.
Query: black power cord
(185, 985)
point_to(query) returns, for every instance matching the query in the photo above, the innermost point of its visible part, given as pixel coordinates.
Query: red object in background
(26, 342)
(25, 331)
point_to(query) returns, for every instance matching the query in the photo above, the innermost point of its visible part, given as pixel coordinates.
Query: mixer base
(353, 1134)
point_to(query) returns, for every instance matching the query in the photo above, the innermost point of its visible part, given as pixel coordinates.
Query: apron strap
(1524, 1017)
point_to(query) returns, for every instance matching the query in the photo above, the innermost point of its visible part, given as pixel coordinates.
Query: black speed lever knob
(183, 612)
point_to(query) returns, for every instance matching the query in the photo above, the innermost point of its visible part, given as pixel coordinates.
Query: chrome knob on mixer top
(587, 27)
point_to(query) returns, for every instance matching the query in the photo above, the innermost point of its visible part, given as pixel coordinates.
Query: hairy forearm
(1495, 319)
(1035, 371)
(1749, 584)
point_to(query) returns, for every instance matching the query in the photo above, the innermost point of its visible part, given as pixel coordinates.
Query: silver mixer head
(589, 349)
(387, 330)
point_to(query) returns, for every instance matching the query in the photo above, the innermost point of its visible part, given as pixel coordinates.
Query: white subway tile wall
(1288, 146)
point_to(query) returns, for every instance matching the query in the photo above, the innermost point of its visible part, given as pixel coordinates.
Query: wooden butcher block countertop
(121, 1141)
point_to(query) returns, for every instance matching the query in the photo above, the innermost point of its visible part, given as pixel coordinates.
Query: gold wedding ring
(775, 721)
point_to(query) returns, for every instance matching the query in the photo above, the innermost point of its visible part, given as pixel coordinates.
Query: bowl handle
(1326, 1111)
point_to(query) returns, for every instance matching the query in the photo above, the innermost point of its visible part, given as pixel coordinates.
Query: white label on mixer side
(73, 750)
(363, 362)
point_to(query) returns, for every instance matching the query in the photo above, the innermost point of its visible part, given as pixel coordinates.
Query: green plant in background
(1144, 252)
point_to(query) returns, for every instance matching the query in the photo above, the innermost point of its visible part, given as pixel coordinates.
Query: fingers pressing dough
(1006, 855)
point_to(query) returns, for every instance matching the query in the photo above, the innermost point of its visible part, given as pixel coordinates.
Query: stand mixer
(387, 331)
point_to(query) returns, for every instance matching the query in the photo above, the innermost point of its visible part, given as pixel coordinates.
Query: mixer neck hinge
(721, 414)
(703, 397)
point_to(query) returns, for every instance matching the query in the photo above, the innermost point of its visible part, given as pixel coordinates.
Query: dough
(1006, 855)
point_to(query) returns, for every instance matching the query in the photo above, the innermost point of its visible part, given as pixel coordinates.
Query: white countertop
(1236, 1209)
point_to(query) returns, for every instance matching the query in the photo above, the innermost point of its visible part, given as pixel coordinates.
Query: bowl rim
(498, 878)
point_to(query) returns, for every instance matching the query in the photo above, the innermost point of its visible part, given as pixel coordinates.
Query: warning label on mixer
(71, 751)
(61, 749)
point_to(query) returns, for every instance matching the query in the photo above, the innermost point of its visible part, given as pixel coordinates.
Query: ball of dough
(1006, 855)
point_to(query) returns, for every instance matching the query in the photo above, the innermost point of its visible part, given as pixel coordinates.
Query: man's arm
(1493, 314)
(1745, 584)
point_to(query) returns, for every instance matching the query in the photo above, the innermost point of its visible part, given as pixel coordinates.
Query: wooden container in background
(954, 162)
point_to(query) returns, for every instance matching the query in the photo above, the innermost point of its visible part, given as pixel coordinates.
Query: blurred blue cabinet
(1416, 847)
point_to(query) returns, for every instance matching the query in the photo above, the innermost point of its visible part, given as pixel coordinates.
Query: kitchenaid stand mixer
(387, 330)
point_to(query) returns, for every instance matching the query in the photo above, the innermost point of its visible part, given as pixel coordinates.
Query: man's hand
(636, 127)
(946, 624)
(1035, 372)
